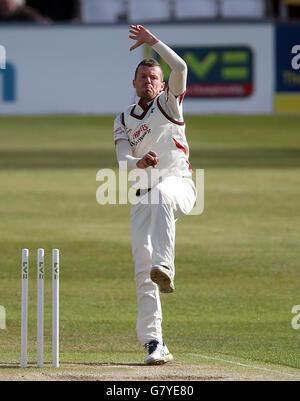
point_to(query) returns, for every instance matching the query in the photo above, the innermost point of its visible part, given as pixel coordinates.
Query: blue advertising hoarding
(287, 42)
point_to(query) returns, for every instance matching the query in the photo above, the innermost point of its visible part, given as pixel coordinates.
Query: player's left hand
(150, 159)
(141, 35)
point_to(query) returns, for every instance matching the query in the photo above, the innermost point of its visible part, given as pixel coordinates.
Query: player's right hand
(141, 35)
(150, 159)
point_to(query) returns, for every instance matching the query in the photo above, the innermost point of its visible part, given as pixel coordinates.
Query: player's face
(148, 82)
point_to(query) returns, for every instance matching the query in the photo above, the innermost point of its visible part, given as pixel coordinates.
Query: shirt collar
(137, 100)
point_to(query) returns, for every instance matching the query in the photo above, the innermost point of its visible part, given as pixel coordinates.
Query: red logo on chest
(137, 133)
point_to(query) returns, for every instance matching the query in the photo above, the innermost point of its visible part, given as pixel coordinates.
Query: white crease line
(244, 365)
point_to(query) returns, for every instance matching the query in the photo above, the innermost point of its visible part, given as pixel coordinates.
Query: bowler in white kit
(151, 135)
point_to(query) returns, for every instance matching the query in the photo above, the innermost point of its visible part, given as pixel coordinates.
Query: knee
(142, 278)
(144, 284)
(141, 252)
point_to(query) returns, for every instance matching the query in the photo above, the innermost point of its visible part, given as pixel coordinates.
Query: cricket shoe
(158, 353)
(161, 275)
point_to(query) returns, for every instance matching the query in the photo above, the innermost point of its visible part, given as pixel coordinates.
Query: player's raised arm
(178, 77)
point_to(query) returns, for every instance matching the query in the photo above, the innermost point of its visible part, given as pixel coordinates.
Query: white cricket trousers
(153, 242)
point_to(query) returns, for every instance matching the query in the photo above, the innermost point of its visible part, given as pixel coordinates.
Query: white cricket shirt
(159, 128)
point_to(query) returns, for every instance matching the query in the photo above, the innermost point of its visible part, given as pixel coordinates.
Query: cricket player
(150, 135)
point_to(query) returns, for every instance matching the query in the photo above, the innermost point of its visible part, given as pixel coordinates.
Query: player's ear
(163, 84)
(133, 83)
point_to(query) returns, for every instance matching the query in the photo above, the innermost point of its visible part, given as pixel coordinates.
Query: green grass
(237, 263)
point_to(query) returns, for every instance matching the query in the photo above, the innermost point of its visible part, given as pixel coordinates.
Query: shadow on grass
(207, 158)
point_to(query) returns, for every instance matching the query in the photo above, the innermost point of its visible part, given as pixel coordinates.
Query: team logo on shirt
(139, 135)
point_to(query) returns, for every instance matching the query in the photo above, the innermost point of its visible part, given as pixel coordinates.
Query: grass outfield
(237, 264)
